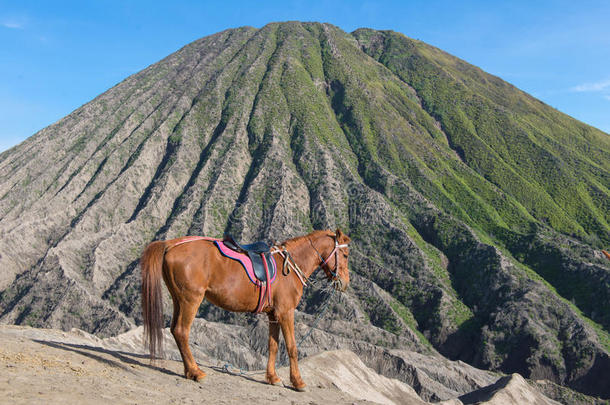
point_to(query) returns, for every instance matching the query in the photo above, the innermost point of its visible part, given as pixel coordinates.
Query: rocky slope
(476, 211)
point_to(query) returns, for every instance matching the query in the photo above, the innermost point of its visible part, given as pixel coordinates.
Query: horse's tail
(151, 264)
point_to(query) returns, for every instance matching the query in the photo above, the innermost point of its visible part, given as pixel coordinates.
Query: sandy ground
(46, 366)
(56, 368)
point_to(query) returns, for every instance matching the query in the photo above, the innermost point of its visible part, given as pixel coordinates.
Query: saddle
(256, 259)
(256, 247)
(258, 252)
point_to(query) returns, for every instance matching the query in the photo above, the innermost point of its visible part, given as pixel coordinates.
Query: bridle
(332, 275)
(289, 262)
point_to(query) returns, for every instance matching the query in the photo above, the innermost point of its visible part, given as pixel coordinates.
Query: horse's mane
(298, 241)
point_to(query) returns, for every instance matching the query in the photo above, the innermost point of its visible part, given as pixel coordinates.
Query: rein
(331, 293)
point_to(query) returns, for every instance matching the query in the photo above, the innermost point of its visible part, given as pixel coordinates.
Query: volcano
(477, 212)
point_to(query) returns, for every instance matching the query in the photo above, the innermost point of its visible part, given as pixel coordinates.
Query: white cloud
(597, 86)
(12, 24)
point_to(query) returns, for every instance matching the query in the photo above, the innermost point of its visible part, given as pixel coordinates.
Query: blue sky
(56, 56)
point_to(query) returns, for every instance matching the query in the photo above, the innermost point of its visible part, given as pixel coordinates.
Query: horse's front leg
(287, 324)
(274, 334)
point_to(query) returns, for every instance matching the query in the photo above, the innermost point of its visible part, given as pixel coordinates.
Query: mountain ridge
(269, 133)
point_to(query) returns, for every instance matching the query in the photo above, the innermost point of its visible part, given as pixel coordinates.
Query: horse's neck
(306, 256)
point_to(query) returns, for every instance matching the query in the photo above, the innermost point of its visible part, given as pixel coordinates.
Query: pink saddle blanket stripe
(187, 239)
(245, 261)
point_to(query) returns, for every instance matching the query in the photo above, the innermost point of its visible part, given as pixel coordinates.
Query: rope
(229, 368)
(330, 295)
(326, 304)
(241, 371)
(228, 371)
(289, 261)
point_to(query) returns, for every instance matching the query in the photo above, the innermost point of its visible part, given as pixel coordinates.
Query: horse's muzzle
(339, 284)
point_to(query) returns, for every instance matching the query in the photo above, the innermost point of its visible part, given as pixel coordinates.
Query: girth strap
(267, 281)
(264, 290)
(261, 298)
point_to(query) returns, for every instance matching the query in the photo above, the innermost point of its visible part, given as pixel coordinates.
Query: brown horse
(196, 270)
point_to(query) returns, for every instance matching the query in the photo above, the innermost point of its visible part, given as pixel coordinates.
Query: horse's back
(198, 267)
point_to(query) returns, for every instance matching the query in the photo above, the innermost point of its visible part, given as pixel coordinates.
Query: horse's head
(336, 253)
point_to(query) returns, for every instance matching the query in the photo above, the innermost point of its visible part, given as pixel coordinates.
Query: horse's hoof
(302, 388)
(197, 376)
(274, 381)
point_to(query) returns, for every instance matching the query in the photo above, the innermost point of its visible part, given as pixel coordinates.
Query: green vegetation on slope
(528, 166)
(554, 166)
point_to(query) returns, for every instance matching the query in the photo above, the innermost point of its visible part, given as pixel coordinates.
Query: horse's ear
(341, 237)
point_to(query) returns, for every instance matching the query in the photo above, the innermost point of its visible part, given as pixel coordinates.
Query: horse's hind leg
(185, 309)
